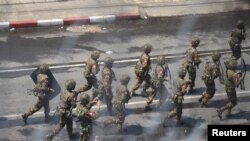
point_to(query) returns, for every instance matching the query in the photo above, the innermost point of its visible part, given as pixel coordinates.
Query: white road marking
(130, 103)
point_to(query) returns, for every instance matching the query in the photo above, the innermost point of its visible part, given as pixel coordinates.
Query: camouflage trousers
(85, 132)
(159, 88)
(41, 102)
(64, 120)
(119, 118)
(91, 81)
(209, 93)
(139, 80)
(177, 111)
(232, 100)
(191, 75)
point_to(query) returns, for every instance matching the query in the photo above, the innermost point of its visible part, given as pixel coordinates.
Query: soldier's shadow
(241, 115)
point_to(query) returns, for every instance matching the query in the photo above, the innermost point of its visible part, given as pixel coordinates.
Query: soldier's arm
(237, 77)
(87, 70)
(113, 75)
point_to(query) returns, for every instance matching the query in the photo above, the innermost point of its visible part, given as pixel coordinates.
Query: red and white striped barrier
(69, 21)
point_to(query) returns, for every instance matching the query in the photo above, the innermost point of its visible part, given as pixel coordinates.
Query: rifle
(221, 76)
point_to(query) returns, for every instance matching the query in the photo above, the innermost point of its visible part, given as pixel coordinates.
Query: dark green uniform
(142, 69)
(231, 80)
(179, 89)
(122, 97)
(42, 92)
(67, 103)
(192, 61)
(159, 76)
(90, 72)
(237, 35)
(210, 72)
(85, 117)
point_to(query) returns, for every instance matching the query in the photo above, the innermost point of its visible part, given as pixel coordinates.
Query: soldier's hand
(51, 90)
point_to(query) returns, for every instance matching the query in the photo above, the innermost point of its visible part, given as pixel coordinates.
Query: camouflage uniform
(237, 35)
(232, 80)
(192, 59)
(211, 72)
(42, 92)
(179, 89)
(142, 69)
(108, 76)
(67, 103)
(159, 76)
(122, 97)
(85, 116)
(91, 69)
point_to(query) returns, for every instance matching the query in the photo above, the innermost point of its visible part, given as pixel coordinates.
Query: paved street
(23, 49)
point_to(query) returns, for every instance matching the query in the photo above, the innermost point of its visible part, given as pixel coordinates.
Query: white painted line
(4, 25)
(130, 103)
(109, 18)
(50, 22)
(96, 19)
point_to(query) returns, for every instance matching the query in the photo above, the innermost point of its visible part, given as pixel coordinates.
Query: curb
(69, 21)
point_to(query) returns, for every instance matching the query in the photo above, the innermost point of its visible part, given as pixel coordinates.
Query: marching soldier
(237, 35)
(179, 89)
(67, 102)
(42, 91)
(108, 76)
(86, 116)
(90, 72)
(122, 96)
(211, 72)
(160, 75)
(232, 80)
(192, 61)
(142, 69)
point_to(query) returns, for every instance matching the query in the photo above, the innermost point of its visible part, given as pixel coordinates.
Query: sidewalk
(31, 13)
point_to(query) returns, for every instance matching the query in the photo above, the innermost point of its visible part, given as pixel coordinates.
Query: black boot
(219, 113)
(73, 136)
(25, 117)
(49, 137)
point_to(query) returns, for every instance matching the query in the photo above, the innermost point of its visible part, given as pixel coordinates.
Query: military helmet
(125, 79)
(147, 48)
(95, 55)
(108, 62)
(195, 41)
(84, 98)
(182, 72)
(43, 68)
(231, 64)
(161, 60)
(240, 24)
(41, 78)
(216, 56)
(70, 84)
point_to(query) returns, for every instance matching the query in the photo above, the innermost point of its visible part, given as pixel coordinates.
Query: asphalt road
(26, 48)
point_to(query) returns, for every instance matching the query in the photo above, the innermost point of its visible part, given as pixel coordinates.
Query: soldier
(179, 89)
(107, 76)
(67, 103)
(237, 35)
(211, 72)
(232, 80)
(42, 92)
(91, 69)
(122, 97)
(160, 75)
(86, 116)
(142, 69)
(192, 61)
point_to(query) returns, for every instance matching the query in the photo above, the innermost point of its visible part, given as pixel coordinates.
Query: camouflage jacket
(67, 100)
(231, 79)
(211, 71)
(92, 67)
(192, 56)
(237, 35)
(84, 114)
